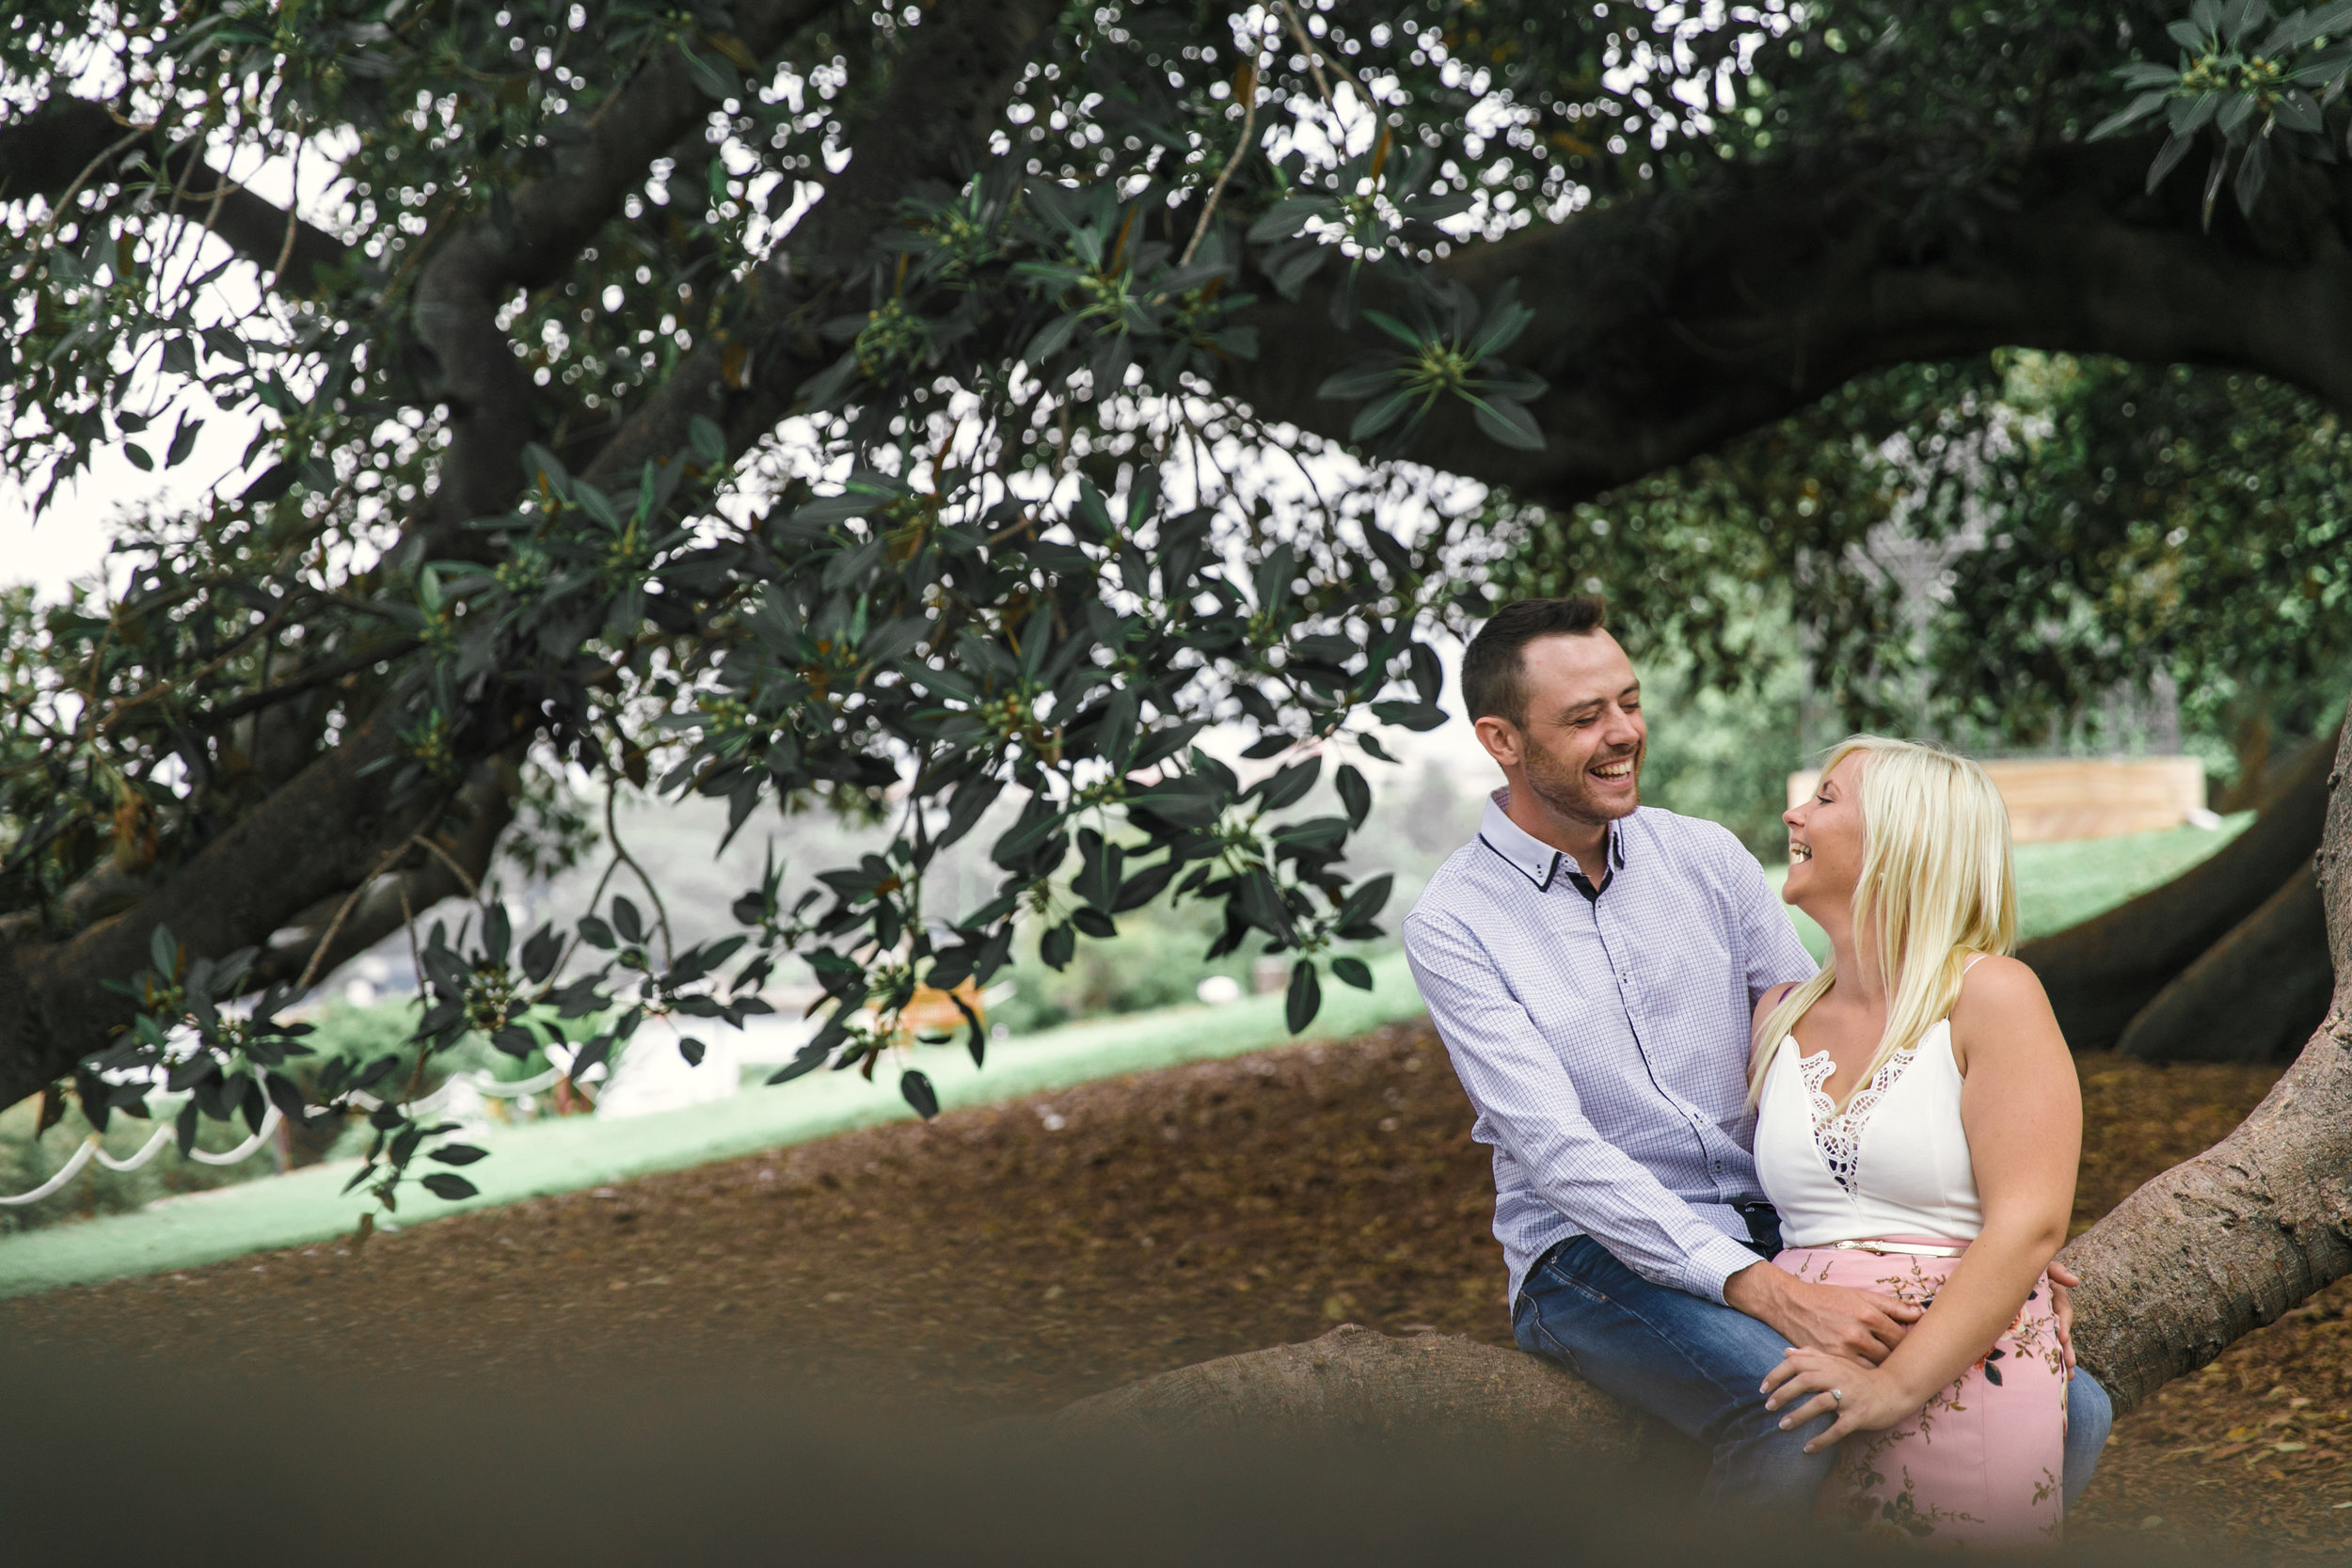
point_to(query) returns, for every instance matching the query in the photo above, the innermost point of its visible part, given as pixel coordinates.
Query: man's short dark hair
(1494, 667)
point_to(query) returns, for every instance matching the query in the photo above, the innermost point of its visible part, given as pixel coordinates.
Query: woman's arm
(2021, 1105)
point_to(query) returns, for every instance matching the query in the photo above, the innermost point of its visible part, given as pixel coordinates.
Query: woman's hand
(1862, 1398)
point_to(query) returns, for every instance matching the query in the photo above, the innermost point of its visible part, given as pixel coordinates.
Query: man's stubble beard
(1563, 789)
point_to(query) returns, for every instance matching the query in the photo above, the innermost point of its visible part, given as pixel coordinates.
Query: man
(1592, 966)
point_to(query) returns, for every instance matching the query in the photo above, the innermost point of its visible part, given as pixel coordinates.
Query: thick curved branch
(1669, 324)
(317, 837)
(44, 152)
(350, 924)
(2251, 996)
(944, 98)
(528, 240)
(2221, 1244)
(2103, 973)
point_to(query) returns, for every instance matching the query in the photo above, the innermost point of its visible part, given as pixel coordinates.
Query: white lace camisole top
(1894, 1163)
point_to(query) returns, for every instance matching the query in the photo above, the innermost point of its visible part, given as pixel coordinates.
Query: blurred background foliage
(2025, 551)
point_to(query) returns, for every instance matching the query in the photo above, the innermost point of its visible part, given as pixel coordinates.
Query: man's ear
(1501, 739)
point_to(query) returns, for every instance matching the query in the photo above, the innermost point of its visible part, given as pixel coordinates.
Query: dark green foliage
(2065, 529)
(757, 481)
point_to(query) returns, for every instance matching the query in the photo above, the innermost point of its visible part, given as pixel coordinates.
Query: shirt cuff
(1714, 1264)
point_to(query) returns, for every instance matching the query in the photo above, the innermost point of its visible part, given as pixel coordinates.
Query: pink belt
(1905, 1249)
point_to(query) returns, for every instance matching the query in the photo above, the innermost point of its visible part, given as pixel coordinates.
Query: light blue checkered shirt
(1604, 1043)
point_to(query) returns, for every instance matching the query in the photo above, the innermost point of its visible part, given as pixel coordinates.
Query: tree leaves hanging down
(1991, 550)
(2262, 92)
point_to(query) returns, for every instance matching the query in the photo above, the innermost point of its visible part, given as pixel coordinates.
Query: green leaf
(917, 1087)
(1411, 716)
(1287, 216)
(1395, 328)
(1369, 897)
(1286, 785)
(2297, 111)
(1374, 417)
(163, 951)
(2251, 171)
(1353, 971)
(1506, 318)
(1348, 385)
(1354, 793)
(626, 921)
(597, 505)
(2192, 114)
(441, 1184)
(1289, 271)
(716, 78)
(1510, 423)
(2131, 114)
(2168, 158)
(708, 441)
(1305, 997)
(1051, 339)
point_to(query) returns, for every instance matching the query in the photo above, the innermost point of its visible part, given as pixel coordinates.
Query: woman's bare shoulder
(2001, 1000)
(1773, 996)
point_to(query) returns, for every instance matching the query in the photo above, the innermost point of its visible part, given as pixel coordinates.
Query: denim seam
(1733, 1396)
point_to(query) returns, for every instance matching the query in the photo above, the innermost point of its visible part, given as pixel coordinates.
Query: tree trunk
(2214, 1248)
(1356, 1383)
(2253, 996)
(2103, 973)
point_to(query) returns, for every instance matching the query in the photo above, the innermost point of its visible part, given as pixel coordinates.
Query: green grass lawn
(567, 1153)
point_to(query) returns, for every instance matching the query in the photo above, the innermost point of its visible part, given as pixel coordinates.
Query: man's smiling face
(1583, 738)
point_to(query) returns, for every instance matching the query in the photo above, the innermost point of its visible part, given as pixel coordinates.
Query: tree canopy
(913, 407)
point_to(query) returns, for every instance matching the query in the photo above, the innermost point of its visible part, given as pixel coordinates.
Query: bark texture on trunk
(2254, 996)
(1356, 1383)
(2101, 974)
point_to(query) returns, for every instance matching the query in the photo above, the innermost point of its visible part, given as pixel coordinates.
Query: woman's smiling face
(1825, 839)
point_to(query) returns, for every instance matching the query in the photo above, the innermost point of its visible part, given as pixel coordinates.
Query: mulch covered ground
(1014, 1259)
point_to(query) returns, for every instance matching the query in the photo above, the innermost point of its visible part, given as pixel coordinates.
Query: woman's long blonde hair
(1936, 887)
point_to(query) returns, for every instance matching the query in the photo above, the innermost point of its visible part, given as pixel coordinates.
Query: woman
(1919, 1127)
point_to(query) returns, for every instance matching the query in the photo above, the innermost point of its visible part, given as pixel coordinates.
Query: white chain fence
(89, 1150)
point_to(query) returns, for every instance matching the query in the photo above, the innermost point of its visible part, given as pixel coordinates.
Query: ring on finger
(1837, 1397)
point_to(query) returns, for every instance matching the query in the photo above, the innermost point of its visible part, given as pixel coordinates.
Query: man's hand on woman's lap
(1859, 1325)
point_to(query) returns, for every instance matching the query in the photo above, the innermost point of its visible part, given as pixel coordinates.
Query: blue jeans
(1697, 1365)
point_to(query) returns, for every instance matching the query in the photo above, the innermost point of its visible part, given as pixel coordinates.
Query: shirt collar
(1530, 856)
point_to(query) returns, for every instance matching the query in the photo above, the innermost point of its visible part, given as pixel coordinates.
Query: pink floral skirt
(1978, 1467)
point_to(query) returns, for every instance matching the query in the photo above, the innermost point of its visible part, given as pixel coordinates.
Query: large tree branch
(66, 139)
(2221, 1244)
(2102, 973)
(944, 98)
(528, 241)
(1669, 324)
(282, 870)
(321, 835)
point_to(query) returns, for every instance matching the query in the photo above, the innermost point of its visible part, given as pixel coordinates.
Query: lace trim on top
(1839, 1134)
